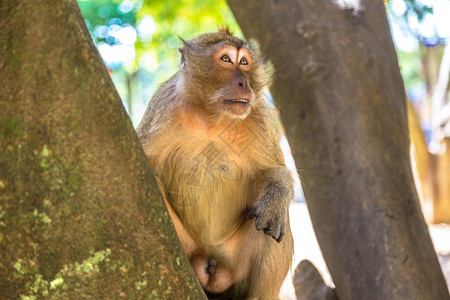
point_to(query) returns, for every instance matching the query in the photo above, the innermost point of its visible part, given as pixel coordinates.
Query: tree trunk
(440, 139)
(433, 169)
(431, 58)
(421, 160)
(81, 216)
(343, 106)
(441, 184)
(432, 173)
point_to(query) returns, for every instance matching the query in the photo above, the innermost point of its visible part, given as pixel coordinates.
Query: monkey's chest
(210, 191)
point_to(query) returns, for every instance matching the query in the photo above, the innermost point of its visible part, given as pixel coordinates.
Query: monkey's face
(230, 71)
(222, 74)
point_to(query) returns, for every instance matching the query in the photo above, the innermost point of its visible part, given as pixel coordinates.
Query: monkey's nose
(242, 82)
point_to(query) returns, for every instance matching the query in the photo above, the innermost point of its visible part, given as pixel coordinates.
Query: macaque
(212, 145)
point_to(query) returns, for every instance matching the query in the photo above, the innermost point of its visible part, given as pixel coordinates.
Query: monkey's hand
(271, 207)
(270, 217)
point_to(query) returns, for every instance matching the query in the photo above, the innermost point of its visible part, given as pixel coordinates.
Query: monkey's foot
(269, 220)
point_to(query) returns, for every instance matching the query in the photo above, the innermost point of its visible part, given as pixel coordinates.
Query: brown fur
(219, 165)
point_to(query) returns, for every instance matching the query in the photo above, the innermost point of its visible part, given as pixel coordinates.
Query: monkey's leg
(187, 241)
(272, 264)
(259, 263)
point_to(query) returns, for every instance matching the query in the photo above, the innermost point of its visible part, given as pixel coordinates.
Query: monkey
(213, 148)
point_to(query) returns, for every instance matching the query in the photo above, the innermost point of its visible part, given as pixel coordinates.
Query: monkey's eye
(243, 61)
(225, 58)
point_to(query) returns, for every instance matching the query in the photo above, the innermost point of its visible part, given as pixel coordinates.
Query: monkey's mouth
(237, 101)
(238, 107)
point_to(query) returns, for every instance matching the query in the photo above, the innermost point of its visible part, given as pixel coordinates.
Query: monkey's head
(224, 74)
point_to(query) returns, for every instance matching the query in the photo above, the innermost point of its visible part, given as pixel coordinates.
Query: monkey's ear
(181, 49)
(186, 47)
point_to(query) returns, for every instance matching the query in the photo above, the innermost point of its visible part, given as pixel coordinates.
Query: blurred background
(138, 41)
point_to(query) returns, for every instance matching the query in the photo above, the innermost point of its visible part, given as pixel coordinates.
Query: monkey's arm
(271, 207)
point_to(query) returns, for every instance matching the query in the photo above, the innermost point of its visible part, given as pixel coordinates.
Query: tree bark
(81, 216)
(309, 284)
(343, 107)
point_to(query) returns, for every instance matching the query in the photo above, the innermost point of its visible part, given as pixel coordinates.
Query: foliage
(417, 24)
(413, 77)
(101, 15)
(417, 17)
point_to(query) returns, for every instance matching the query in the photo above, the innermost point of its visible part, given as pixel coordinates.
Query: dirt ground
(440, 234)
(306, 247)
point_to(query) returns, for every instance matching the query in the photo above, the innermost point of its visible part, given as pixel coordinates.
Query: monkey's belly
(202, 212)
(201, 199)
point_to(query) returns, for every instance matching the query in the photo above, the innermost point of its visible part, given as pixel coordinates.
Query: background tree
(81, 216)
(344, 108)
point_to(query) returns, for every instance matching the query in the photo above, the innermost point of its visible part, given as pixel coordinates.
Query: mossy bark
(342, 103)
(81, 216)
